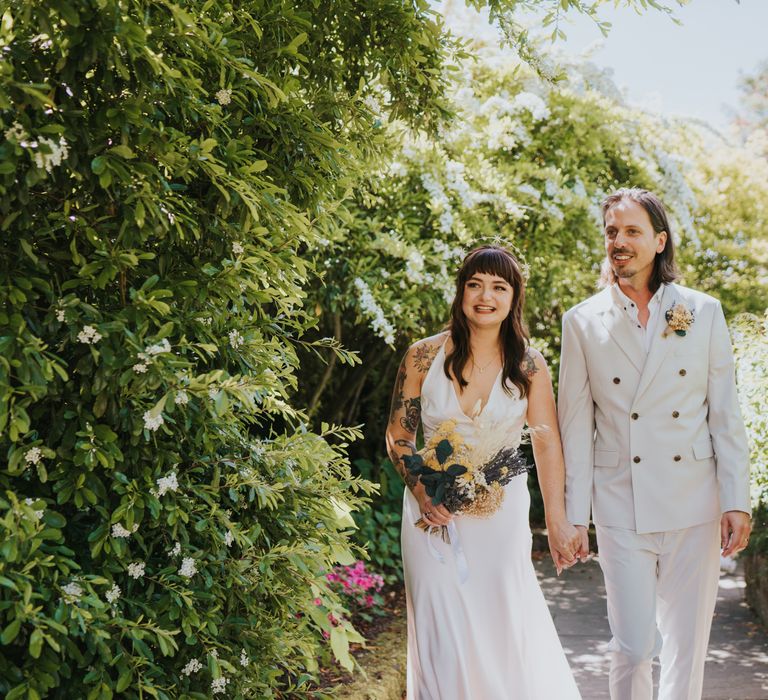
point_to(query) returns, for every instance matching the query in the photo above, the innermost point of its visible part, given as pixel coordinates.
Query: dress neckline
(441, 357)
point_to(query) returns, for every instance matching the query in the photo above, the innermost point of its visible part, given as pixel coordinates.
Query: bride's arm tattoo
(397, 394)
(397, 460)
(410, 421)
(529, 364)
(423, 356)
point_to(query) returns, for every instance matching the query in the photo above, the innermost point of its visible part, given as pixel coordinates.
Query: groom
(655, 445)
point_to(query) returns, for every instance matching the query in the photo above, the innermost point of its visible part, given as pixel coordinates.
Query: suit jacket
(652, 442)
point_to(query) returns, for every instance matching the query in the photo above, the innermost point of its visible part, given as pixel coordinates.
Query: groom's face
(630, 241)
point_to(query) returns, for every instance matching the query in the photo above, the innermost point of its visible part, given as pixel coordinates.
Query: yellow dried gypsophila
(487, 501)
(681, 318)
(445, 431)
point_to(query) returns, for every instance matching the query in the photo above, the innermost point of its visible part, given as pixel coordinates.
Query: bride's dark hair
(491, 260)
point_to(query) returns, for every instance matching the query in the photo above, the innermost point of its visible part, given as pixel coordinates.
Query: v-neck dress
(492, 636)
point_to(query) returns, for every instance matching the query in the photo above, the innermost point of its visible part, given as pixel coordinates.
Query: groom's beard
(625, 270)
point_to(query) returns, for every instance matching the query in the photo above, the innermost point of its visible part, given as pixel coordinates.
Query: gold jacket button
(683, 372)
(675, 414)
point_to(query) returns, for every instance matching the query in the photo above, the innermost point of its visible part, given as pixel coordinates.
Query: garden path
(737, 659)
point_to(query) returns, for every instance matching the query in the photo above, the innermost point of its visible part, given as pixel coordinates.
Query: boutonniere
(679, 319)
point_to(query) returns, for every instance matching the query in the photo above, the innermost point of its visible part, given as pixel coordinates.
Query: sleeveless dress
(492, 636)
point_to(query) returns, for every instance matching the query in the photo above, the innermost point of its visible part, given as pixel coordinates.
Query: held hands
(735, 527)
(433, 515)
(566, 543)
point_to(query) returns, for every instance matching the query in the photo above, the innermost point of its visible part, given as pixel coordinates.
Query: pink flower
(317, 601)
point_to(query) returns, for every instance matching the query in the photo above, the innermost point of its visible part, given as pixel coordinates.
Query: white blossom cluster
(16, 132)
(192, 666)
(529, 102)
(188, 567)
(33, 455)
(236, 339)
(119, 531)
(145, 358)
(219, 685)
(181, 398)
(152, 422)
(371, 308)
(224, 96)
(136, 569)
(228, 538)
(73, 591)
(237, 248)
(167, 483)
(59, 150)
(176, 550)
(244, 660)
(61, 315)
(439, 201)
(113, 594)
(89, 335)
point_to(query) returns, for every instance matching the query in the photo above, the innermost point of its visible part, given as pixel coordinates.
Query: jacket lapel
(619, 326)
(661, 345)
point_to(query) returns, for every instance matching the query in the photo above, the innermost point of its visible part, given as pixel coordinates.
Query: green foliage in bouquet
(166, 512)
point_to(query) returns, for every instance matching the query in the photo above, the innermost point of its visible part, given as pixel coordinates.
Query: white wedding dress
(490, 637)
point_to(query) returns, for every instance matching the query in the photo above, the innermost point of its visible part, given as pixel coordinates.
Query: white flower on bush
(193, 666)
(244, 660)
(89, 335)
(188, 567)
(176, 550)
(214, 653)
(237, 248)
(113, 593)
(136, 569)
(157, 348)
(181, 398)
(224, 96)
(236, 340)
(532, 103)
(58, 152)
(38, 513)
(167, 483)
(119, 531)
(140, 368)
(219, 685)
(16, 132)
(33, 455)
(383, 328)
(228, 538)
(152, 422)
(72, 592)
(60, 315)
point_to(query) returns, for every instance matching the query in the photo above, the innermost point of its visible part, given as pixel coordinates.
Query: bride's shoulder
(533, 362)
(422, 353)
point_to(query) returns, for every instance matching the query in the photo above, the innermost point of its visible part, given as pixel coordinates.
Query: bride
(478, 625)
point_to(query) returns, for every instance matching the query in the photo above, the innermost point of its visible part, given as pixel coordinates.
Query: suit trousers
(661, 590)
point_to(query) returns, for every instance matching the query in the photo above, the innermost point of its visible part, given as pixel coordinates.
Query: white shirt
(630, 308)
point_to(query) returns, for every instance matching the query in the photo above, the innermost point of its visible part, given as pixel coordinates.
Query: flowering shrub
(359, 589)
(166, 510)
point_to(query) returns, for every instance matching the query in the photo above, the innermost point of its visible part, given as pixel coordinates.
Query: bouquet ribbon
(462, 568)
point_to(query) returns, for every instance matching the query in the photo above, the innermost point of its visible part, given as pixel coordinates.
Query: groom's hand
(563, 542)
(583, 553)
(735, 527)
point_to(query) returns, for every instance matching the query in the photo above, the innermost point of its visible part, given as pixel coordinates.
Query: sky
(690, 70)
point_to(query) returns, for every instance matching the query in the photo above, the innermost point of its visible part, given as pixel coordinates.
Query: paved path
(737, 660)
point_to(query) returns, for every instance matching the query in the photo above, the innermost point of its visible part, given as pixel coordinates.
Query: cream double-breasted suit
(656, 451)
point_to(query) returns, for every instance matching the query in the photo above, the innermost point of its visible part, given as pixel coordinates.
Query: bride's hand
(430, 513)
(564, 543)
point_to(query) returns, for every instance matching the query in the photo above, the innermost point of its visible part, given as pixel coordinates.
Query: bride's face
(487, 299)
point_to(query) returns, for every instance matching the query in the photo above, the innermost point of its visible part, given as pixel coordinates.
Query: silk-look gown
(492, 636)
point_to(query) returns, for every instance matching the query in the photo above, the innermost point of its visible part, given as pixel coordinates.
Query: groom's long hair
(665, 268)
(491, 260)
